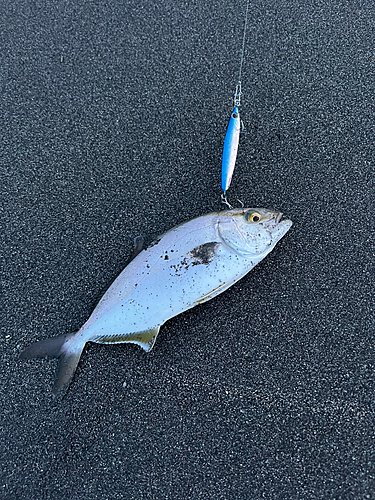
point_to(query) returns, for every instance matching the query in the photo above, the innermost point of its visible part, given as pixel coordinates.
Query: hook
(225, 201)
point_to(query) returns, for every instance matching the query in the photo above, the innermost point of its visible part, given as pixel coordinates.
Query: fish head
(252, 231)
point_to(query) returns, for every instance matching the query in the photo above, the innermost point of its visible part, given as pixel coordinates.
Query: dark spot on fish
(166, 257)
(204, 254)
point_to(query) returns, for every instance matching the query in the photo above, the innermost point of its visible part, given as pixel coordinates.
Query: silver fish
(188, 265)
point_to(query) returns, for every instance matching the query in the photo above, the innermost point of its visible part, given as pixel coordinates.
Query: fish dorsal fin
(139, 243)
(145, 339)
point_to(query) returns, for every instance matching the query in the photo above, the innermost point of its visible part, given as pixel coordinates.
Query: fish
(186, 266)
(230, 149)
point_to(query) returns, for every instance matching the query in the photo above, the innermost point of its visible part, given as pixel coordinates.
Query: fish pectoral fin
(210, 295)
(145, 339)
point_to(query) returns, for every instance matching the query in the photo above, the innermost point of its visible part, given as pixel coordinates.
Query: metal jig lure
(232, 135)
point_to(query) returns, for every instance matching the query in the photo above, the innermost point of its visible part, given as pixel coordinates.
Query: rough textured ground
(113, 116)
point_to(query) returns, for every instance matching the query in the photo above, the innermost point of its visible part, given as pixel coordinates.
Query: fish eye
(235, 115)
(253, 217)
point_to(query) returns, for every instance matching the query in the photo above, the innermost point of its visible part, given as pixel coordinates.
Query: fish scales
(188, 265)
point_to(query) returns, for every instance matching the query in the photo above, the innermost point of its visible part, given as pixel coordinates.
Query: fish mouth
(277, 222)
(278, 217)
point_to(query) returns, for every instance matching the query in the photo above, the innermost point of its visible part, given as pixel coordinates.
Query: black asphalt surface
(113, 115)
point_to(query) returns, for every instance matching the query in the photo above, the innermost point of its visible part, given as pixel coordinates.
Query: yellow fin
(145, 339)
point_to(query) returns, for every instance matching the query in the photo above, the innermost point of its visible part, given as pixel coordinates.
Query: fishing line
(232, 135)
(243, 41)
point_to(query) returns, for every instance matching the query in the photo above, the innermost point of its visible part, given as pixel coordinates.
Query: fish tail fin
(63, 347)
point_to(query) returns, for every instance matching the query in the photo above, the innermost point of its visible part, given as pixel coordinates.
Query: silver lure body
(230, 149)
(188, 265)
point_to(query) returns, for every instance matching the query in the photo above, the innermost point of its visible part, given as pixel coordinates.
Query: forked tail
(64, 347)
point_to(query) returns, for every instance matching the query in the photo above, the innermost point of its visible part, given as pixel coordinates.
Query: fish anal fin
(145, 339)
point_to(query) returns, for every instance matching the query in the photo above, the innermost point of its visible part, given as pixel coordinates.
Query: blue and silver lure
(232, 136)
(231, 141)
